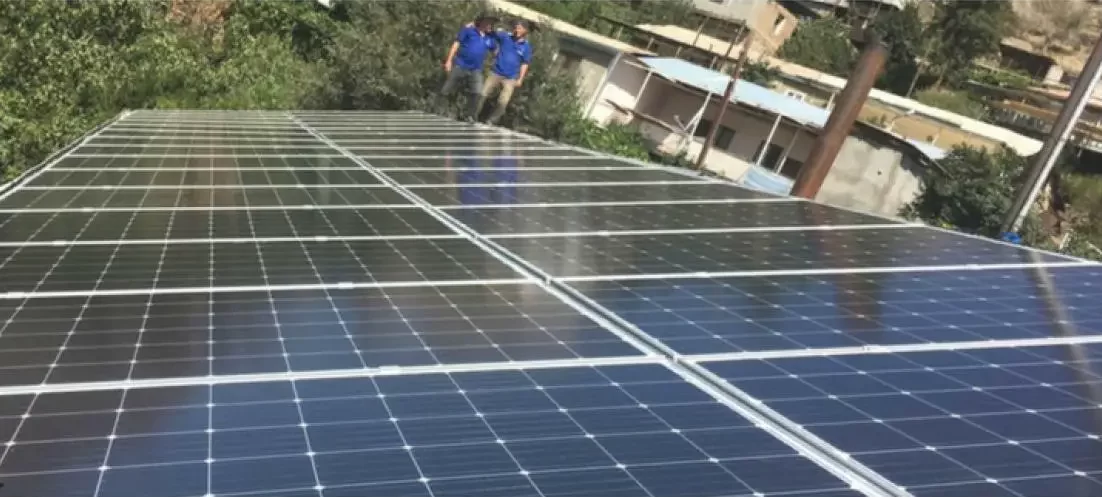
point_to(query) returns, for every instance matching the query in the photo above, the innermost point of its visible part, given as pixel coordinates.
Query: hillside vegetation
(67, 66)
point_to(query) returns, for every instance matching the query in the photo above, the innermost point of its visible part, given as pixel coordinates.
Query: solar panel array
(326, 304)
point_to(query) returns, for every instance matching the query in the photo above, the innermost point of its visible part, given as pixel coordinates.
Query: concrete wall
(764, 24)
(870, 177)
(590, 66)
(759, 15)
(866, 176)
(624, 83)
(750, 129)
(742, 10)
(719, 161)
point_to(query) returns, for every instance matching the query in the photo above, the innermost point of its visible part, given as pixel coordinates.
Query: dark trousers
(473, 78)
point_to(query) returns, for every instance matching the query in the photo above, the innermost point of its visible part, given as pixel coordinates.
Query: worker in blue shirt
(510, 67)
(466, 58)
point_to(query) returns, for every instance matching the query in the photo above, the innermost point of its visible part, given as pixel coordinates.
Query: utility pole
(840, 123)
(724, 102)
(1054, 144)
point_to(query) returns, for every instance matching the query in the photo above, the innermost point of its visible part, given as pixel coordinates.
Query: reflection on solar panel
(994, 422)
(337, 304)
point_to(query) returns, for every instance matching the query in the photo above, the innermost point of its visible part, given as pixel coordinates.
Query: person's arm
(523, 73)
(451, 56)
(524, 65)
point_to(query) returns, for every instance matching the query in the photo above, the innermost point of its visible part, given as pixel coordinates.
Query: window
(772, 155)
(778, 24)
(724, 137)
(791, 168)
(567, 63)
(798, 95)
(703, 128)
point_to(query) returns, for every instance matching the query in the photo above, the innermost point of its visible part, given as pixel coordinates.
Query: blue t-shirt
(473, 47)
(511, 54)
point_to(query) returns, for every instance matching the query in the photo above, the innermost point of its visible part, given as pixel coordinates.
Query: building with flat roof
(907, 117)
(765, 136)
(767, 21)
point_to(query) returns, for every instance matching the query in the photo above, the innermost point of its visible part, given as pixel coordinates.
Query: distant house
(765, 136)
(767, 21)
(901, 115)
(865, 9)
(1018, 55)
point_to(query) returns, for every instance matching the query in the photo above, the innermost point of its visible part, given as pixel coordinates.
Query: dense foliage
(583, 12)
(822, 44)
(923, 52)
(903, 32)
(65, 66)
(964, 31)
(957, 101)
(973, 188)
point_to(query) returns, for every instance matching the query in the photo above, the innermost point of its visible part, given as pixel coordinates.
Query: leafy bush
(616, 139)
(759, 73)
(821, 44)
(953, 101)
(1003, 78)
(971, 191)
(66, 66)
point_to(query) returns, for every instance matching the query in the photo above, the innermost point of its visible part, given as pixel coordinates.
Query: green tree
(967, 30)
(821, 44)
(66, 66)
(971, 190)
(759, 73)
(906, 38)
(957, 101)
(583, 12)
(677, 12)
(572, 11)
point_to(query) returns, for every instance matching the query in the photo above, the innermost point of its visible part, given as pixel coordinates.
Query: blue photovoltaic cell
(1004, 422)
(696, 316)
(80, 339)
(616, 254)
(623, 430)
(588, 218)
(267, 295)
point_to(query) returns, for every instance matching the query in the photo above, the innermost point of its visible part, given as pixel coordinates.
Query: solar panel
(72, 339)
(498, 162)
(200, 178)
(702, 316)
(339, 304)
(665, 217)
(221, 198)
(416, 178)
(460, 153)
(806, 248)
(205, 149)
(316, 222)
(625, 430)
(119, 165)
(996, 422)
(514, 193)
